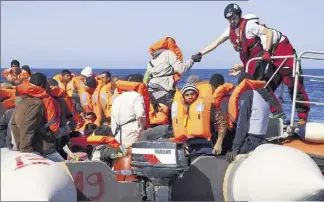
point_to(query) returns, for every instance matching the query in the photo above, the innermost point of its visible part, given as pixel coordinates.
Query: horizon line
(141, 68)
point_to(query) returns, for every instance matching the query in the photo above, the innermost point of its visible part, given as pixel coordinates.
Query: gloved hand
(197, 57)
(231, 155)
(266, 56)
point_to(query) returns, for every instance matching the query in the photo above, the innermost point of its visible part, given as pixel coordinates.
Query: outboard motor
(158, 163)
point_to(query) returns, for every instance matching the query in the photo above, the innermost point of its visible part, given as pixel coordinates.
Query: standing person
(253, 120)
(164, 70)
(128, 117)
(252, 40)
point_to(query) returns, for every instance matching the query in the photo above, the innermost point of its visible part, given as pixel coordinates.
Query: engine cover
(158, 159)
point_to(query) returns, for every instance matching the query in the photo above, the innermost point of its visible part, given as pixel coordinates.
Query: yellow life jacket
(195, 121)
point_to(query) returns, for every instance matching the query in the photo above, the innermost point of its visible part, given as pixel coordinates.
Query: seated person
(104, 152)
(192, 120)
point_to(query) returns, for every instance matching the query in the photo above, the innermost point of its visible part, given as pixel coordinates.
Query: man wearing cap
(201, 145)
(77, 84)
(86, 92)
(34, 123)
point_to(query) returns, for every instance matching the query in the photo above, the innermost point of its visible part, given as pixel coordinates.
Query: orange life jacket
(9, 103)
(76, 83)
(233, 110)
(9, 75)
(6, 93)
(97, 140)
(168, 43)
(96, 103)
(195, 121)
(106, 99)
(85, 100)
(139, 87)
(60, 93)
(65, 87)
(51, 107)
(159, 118)
(220, 92)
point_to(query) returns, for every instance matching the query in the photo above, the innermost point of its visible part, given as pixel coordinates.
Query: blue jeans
(56, 157)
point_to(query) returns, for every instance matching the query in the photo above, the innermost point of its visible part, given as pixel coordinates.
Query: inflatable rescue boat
(271, 172)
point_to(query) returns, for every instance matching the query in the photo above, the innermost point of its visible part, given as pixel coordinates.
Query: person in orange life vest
(100, 95)
(36, 119)
(164, 68)
(245, 35)
(89, 117)
(252, 122)
(199, 145)
(77, 83)
(64, 79)
(11, 74)
(67, 124)
(107, 95)
(69, 117)
(86, 92)
(217, 82)
(24, 74)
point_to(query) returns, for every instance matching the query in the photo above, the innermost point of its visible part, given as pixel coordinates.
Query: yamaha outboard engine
(158, 163)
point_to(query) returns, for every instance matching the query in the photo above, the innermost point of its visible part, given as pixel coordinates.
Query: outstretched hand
(236, 69)
(197, 57)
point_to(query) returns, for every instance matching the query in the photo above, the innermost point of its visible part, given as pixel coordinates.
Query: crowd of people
(214, 117)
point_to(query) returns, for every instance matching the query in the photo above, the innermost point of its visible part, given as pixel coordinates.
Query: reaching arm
(178, 66)
(221, 125)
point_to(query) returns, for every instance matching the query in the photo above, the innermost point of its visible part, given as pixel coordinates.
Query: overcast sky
(106, 34)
